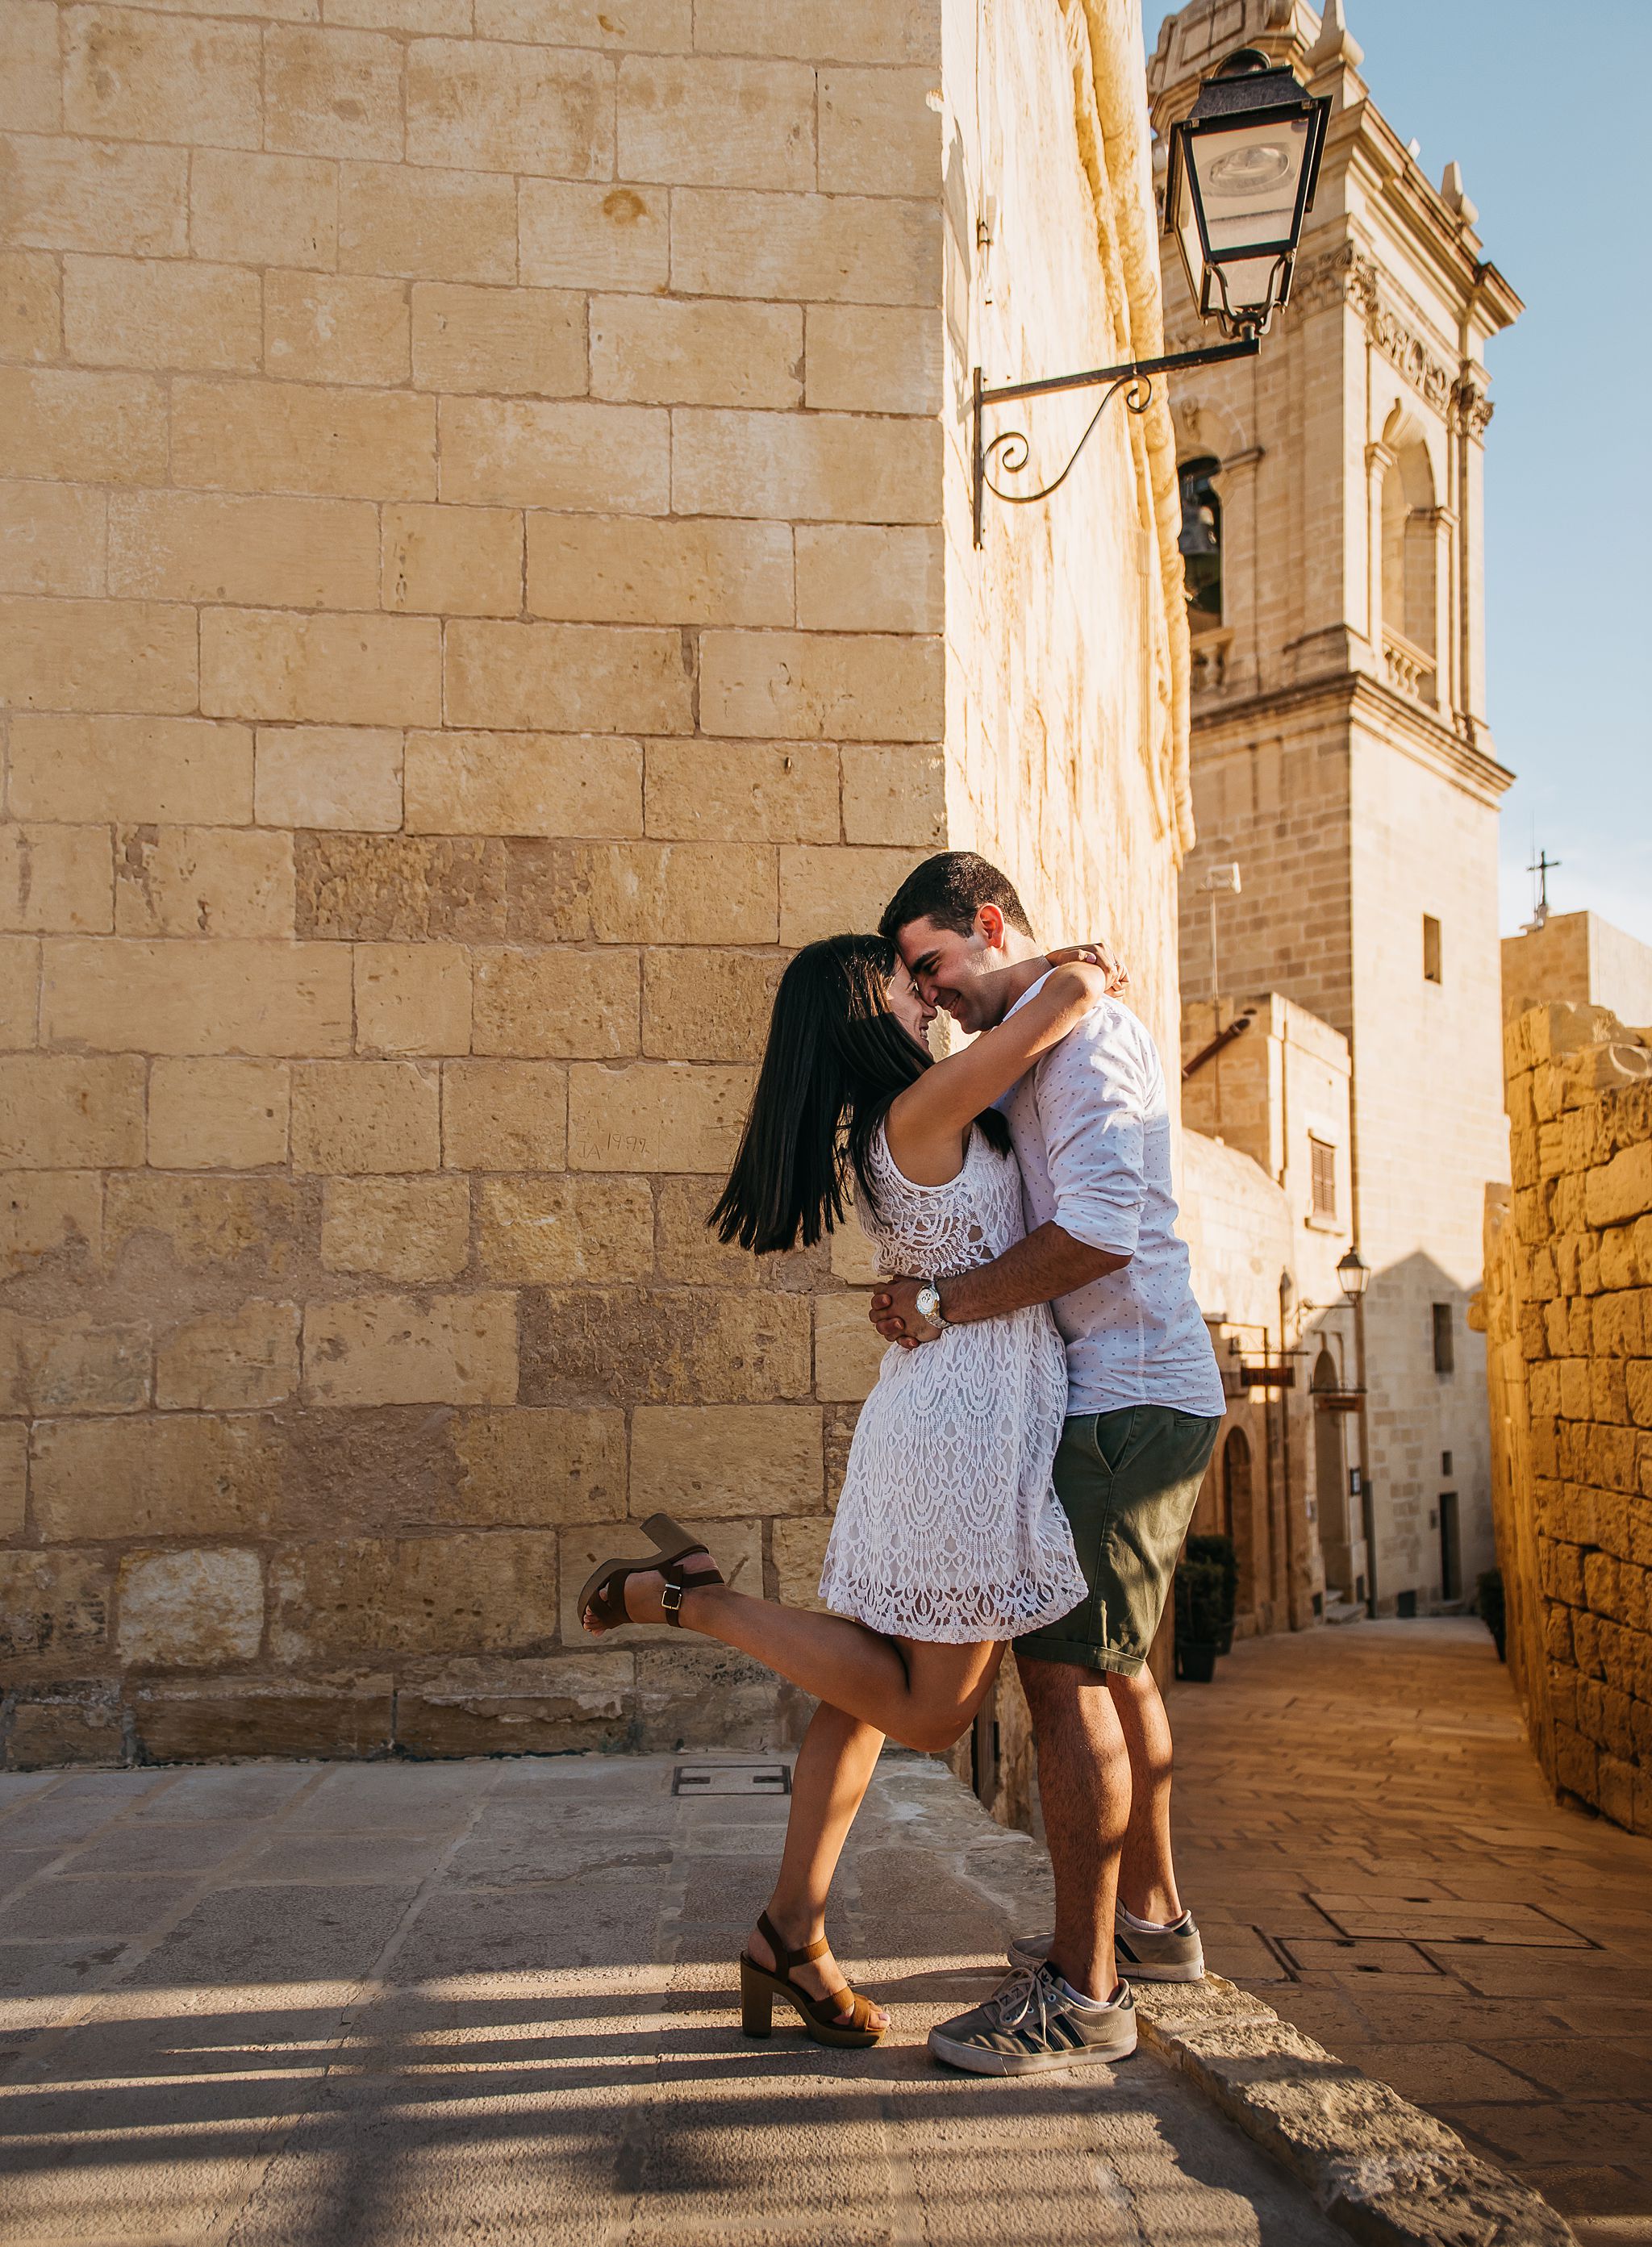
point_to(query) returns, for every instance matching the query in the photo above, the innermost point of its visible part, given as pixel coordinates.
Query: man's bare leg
(1084, 1783)
(1147, 1871)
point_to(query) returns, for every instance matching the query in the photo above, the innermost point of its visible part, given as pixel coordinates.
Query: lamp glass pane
(1244, 282)
(1184, 219)
(1249, 177)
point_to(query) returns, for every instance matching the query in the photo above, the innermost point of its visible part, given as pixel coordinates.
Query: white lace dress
(949, 1528)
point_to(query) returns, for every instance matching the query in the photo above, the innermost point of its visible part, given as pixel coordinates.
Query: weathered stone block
(824, 891)
(895, 796)
(337, 327)
(690, 1252)
(379, 887)
(141, 77)
(333, 92)
(412, 998)
(81, 428)
(874, 577)
(262, 210)
(570, 678)
(54, 1604)
(549, 1232)
(244, 548)
(488, 107)
(737, 1547)
(704, 1003)
(329, 776)
(875, 359)
(715, 353)
(800, 1554)
(663, 1346)
(72, 1364)
(638, 569)
(190, 1610)
(452, 561)
(341, 443)
(561, 1003)
(30, 73)
(1621, 1189)
(103, 768)
(398, 1228)
(365, 1115)
(56, 880)
(202, 881)
(174, 1476)
(229, 1361)
(504, 1116)
(425, 224)
(821, 248)
(556, 1707)
(532, 1469)
(62, 1111)
(188, 1723)
(516, 451)
(743, 791)
(642, 893)
(49, 1213)
(100, 196)
(805, 468)
(52, 536)
(575, 236)
(347, 671)
(19, 991)
(848, 1348)
(471, 1593)
(14, 1477)
(655, 1115)
(412, 1349)
(878, 133)
(97, 655)
(711, 1461)
(821, 31)
(206, 1221)
(481, 783)
(119, 311)
(527, 341)
(710, 123)
(54, 1732)
(821, 686)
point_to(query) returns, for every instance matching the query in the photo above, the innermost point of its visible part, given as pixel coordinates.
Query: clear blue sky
(1540, 106)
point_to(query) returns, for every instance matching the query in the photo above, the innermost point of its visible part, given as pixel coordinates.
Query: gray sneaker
(1176, 1956)
(1029, 2026)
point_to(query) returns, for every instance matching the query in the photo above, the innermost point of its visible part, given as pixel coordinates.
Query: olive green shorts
(1128, 1481)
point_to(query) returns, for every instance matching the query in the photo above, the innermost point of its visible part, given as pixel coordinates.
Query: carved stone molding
(1406, 350)
(1470, 404)
(1343, 273)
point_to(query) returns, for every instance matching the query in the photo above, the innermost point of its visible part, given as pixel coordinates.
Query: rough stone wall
(472, 604)
(1568, 1312)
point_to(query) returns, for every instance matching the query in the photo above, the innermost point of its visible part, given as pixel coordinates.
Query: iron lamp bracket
(1009, 450)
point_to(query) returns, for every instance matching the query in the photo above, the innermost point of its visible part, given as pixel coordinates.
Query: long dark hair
(837, 1057)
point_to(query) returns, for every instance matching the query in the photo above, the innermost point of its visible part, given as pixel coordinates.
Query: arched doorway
(1330, 1482)
(1237, 1520)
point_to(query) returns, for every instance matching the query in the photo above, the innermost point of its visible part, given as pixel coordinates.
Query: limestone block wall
(1568, 1312)
(472, 495)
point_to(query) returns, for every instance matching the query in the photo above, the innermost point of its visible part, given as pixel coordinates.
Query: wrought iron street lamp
(1353, 1275)
(1243, 167)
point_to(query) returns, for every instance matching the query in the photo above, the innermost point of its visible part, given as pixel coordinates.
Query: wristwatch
(929, 1304)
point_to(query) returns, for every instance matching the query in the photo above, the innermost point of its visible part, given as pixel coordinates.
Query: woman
(948, 1539)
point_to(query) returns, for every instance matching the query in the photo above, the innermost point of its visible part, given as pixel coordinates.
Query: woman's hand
(1100, 953)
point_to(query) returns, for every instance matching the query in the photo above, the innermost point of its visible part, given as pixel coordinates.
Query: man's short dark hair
(949, 890)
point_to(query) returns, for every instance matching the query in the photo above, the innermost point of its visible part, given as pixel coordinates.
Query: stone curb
(1384, 2170)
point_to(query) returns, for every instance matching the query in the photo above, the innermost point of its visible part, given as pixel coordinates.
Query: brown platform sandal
(603, 1595)
(822, 2017)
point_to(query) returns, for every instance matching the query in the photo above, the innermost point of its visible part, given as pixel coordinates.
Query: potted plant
(1219, 1550)
(1200, 1599)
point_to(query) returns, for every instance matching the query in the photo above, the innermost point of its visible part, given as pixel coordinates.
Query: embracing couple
(1025, 1468)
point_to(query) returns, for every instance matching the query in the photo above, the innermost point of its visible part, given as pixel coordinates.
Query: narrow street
(1370, 1847)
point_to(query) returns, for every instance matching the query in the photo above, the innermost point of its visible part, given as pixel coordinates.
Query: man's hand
(1100, 953)
(894, 1311)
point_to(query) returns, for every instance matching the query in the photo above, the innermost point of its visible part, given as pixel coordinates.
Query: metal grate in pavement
(732, 1778)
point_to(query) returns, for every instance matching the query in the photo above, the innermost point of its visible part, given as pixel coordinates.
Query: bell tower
(1333, 537)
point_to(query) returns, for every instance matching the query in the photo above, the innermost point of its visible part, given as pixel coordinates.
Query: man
(1091, 1127)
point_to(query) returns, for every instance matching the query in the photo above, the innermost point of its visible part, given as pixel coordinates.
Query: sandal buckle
(672, 1600)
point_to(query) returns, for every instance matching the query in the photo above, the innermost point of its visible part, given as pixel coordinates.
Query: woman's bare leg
(919, 1693)
(830, 1778)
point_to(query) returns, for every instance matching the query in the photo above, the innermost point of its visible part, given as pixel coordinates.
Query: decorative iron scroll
(1010, 450)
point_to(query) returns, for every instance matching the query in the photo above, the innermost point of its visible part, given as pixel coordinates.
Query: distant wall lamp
(1243, 167)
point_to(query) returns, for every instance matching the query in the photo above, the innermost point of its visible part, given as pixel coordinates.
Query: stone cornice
(1352, 696)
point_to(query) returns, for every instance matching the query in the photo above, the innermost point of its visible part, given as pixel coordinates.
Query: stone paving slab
(494, 2002)
(1483, 1951)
